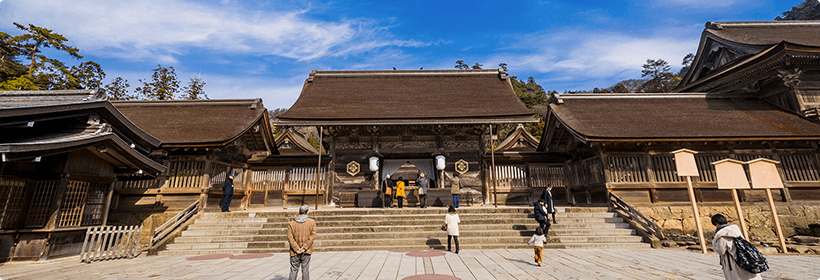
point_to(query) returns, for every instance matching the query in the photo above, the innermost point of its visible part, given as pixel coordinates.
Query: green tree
(619, 88)
(162, 86)
(477, 66)
(808, 10)
(195, 90)
(461, 65)
(45, 72)
(18, 83)
(503, 66)
(660, 79)
(88, 75)
(10, 66)
(118, 90)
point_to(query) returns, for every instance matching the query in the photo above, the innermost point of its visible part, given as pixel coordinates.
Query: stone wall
(677, 220)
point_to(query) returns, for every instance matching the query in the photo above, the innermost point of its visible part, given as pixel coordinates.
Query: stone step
(399, 221)
(403, 211)
(463, 246)
(500, 229)
(235, 220)
(464, 227)
(404, 241)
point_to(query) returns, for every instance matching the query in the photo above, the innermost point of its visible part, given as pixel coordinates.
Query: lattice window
(705, 168)
(39, 210)
(185, 174)
(799, 168)
(665, 169)
(139, 184)
(586, 172)
(511, 176)
(12, 193)
(94, 205)
(304, 178)
(71, 210)
(811, 97)
(626, 169)
(543, 175)
(268, 180)
(219, 172)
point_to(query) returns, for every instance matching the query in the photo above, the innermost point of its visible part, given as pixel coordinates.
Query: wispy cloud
(162, 30)
(593, 56)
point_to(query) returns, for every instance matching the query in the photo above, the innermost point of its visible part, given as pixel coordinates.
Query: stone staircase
(402, 229)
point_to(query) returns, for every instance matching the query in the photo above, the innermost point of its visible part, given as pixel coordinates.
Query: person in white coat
(451, 220)
(724, 245)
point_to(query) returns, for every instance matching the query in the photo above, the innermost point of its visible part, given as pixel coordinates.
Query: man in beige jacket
(301, 233)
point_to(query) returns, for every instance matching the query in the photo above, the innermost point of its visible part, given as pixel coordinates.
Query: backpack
(748, 257)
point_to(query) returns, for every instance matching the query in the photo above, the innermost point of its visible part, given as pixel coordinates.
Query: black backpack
(748, 257)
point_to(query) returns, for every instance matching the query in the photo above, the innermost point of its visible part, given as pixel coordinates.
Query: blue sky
(250, 49)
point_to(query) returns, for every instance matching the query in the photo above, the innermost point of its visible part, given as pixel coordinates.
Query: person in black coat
(547, 197)
(540, 211)
(227, 193)
(387, 199)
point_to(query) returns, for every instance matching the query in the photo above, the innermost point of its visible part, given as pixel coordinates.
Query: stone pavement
(469, 264)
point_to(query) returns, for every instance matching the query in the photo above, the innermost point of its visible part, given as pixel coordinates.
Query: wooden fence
(169, 226)
(110, 242)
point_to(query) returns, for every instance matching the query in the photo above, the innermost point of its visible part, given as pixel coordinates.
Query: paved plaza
(469, 264)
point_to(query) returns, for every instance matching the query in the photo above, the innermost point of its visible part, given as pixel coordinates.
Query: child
(400, 192)
(538, 240)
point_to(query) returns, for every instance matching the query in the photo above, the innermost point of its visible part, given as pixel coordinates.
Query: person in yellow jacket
(400, 192)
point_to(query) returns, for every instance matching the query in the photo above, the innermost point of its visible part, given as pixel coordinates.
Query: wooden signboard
(765, 176)
(686, 166)
(730, 175)
(685, 162)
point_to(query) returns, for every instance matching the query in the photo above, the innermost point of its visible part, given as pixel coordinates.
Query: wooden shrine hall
(62, 153)
(376, 123)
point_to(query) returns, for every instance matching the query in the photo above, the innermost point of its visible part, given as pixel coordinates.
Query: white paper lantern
(374, 164)
(440, 162)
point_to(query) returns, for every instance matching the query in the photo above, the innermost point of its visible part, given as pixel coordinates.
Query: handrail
(181, 217)
(646, 225)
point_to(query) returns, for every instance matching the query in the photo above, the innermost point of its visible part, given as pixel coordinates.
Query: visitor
(301, 234)
(400, 192)
(424, 183)
(538, 240)
(724, 245)
(451, 221)
(387, 192)
(540, 212)
(455, 189)
(547, 197)
(227, 193)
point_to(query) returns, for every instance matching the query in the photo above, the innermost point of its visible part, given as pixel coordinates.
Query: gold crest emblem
(462, 166)
(353, 168)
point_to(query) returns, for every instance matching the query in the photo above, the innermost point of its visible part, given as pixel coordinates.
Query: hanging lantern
(374, 164)
(440, 164)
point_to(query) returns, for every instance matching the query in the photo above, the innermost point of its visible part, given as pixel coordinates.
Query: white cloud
(157, 30)
(593, 56)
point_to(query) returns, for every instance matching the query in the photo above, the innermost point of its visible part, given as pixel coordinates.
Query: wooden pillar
(107, 207)
(286, 188)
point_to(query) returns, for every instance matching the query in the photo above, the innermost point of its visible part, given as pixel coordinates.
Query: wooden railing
(110, 242)
(638, 220)
(169, 226)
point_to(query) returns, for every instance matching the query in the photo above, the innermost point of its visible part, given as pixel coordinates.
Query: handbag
(444, 227)
(388, 191)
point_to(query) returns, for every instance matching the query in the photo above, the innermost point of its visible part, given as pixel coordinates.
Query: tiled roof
(677, 116)
(406, 97)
